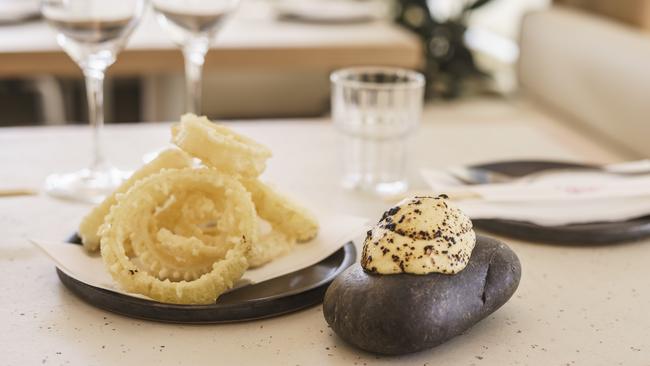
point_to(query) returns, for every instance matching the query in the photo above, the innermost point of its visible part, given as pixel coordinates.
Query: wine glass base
(90, 186)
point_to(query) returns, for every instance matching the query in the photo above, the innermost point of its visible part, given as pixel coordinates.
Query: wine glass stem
(95, 93)
(194, 59)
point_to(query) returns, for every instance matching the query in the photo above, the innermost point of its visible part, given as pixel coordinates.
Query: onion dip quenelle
(376, 109)
(419, 235)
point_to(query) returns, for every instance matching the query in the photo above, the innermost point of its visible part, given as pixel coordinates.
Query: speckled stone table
(574, 306)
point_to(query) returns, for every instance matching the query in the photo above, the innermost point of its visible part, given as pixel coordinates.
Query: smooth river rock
(404, 313)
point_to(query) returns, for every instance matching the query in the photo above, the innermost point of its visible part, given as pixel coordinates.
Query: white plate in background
(331, 11)
(15, 11)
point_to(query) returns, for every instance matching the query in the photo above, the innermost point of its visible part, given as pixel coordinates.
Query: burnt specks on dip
(419, 235)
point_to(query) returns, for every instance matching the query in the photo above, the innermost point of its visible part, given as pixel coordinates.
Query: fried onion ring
(282, 213)
(168, 159)
(220, 147)
(179, 259)
(270, 244)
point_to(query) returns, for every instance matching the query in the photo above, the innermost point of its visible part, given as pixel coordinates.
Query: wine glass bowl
(188, 20)
(193, 24)
(92, 33)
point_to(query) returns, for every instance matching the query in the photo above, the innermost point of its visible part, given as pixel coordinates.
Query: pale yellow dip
(419, 235)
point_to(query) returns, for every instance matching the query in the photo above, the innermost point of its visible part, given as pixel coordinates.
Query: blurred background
(587, 60)
(271, 59)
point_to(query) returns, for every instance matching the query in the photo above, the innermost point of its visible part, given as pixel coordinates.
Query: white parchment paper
(335, 231)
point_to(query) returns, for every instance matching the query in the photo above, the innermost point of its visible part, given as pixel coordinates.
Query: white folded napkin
(564, 197)
(335, 231)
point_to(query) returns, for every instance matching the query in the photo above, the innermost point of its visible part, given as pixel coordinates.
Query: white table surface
(574, 306)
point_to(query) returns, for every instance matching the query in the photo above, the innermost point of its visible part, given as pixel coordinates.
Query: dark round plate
(282, 295)
(576, 234)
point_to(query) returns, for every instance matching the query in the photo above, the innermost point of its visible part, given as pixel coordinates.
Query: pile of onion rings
(182, 232)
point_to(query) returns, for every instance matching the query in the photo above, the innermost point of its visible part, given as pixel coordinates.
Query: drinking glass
(376, 109)
(92, 33)
(193, 25)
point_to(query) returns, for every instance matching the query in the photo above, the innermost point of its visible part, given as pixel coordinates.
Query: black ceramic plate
(285, 294)
(577, 234)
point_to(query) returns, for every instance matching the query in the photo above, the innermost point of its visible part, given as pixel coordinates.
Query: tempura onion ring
(281, 212)
(220, 147)
(168, 262)
(168, 159)
(270, 244)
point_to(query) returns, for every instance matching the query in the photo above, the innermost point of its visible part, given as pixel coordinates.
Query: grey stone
(404, 313)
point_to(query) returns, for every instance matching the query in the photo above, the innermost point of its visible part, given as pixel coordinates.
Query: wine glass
(92, 33)
(192, 25)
